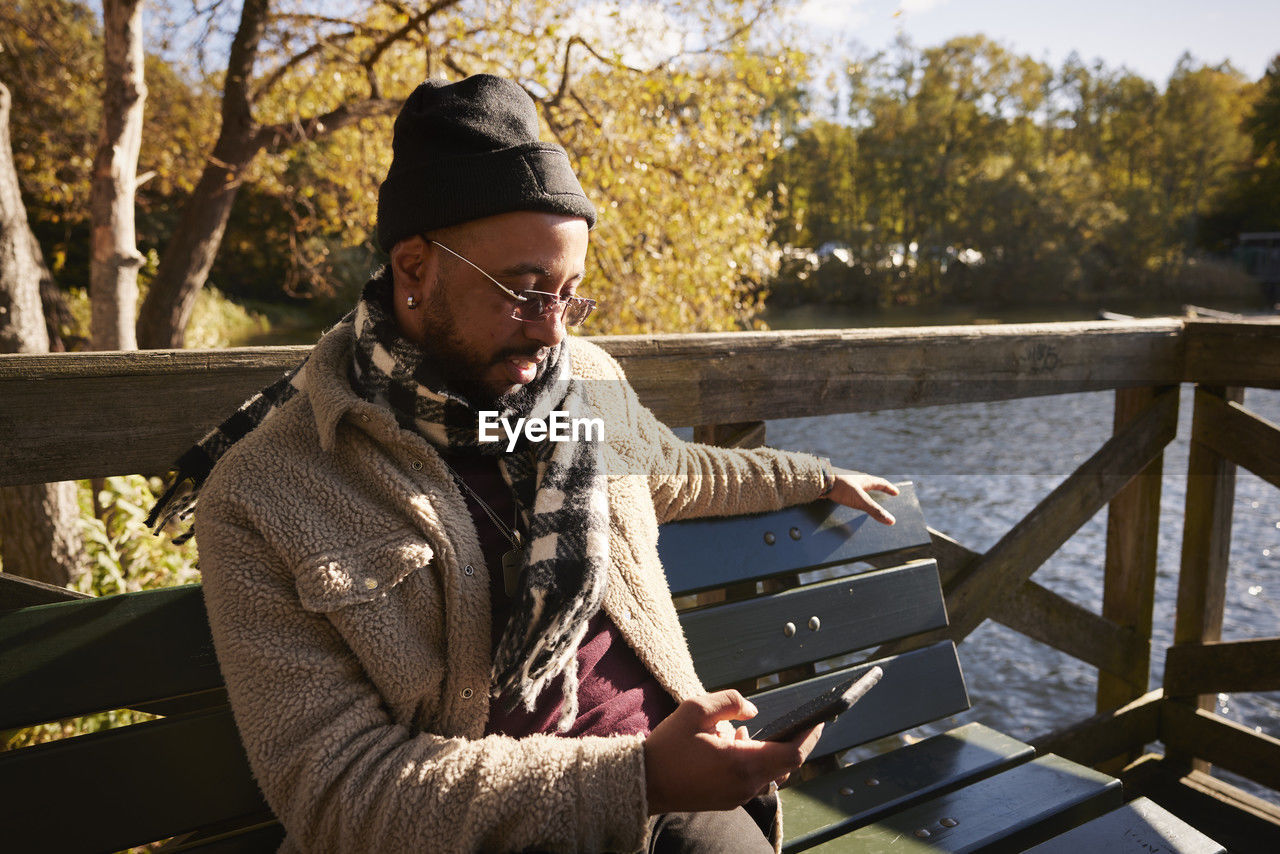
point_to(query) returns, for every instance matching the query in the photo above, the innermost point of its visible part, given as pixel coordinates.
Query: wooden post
(1129, 587)
(1206, 541)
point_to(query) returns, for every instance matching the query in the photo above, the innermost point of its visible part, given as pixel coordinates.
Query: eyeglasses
(533, 306)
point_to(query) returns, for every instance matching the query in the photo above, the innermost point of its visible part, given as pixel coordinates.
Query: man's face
(464, 321)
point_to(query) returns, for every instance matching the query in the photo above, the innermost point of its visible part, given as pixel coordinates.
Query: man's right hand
(691, 765)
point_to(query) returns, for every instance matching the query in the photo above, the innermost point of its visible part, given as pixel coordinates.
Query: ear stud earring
(411, 302)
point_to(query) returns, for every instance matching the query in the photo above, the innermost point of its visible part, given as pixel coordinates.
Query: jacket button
(468, 570)
(416, 465)
(371, 583)
(466, 693)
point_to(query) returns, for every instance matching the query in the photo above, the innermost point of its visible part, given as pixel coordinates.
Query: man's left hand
(852, 489)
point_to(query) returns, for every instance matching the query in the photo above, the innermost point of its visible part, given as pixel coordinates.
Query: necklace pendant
(511, 562)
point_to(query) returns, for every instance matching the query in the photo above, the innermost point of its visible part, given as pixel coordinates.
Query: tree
(1201, 144)
(39, 535)
(190, 252)
(1252, 201)
(1081, 184)
(115, 260)
(817, 195)
(683, 237)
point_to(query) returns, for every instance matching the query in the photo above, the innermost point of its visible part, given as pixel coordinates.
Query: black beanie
(465, 150)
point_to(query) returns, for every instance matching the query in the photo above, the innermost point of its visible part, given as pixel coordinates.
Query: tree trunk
(114, 258)
(39, 533)
(22, 327)
(189, 254)
(57, 314)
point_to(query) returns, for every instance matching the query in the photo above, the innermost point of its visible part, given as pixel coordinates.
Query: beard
(462, 370)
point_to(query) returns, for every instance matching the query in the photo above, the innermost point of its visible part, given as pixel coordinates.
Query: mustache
(537, 354)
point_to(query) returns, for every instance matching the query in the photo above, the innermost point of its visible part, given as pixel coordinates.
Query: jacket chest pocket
(387, 605)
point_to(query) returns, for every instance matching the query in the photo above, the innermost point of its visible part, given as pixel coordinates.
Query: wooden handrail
(70, 416)
(1233, 353)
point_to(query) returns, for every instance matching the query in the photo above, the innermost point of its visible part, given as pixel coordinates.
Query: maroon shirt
(617, 695)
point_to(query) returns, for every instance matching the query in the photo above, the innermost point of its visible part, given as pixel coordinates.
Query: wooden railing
(74, 416)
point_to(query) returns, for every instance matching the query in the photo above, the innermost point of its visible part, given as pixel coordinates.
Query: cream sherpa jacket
(349, 605)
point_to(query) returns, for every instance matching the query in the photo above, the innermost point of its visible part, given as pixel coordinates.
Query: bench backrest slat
(918, 687)
(19, 592)
(172, 776)
(704, 553)
(92, 655)
(770, 633)
(757, 635)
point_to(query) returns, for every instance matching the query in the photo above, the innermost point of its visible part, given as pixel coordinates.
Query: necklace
(513, 558)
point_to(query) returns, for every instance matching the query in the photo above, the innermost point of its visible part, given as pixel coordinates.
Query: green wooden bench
(803, 598)
(184, 773)
(814, 591)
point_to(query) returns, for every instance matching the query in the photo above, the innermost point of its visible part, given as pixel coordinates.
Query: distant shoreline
(837, 316)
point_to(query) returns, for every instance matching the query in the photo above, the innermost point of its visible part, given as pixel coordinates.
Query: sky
(1147, 37)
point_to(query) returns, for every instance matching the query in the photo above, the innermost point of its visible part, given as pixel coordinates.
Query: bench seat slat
(844, 800)
(744, 639)
(1139, 827)
(702, 553)
(917, 687)
(180, 773)
(91, 655)
(1007, 812)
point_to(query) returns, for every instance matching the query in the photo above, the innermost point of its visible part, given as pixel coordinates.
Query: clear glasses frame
(532, 306)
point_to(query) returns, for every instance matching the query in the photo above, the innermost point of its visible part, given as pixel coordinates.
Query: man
(437, 643)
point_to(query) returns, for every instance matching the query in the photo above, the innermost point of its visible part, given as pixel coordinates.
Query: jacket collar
(326, 380)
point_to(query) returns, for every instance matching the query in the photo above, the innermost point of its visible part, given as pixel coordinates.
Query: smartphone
(827, 706)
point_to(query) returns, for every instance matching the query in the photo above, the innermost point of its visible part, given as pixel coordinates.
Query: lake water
(981, 467)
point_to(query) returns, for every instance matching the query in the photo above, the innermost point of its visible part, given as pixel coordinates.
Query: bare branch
(414, 22)
(279, 136)
(306, 18)
(397, 7)
(586, 111)
(297, 59)
(564, 72)
(761, 10)
(452, 64)
(240, 61)
(616, 63)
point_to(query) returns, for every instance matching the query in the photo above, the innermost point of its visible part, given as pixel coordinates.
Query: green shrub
(216, 321)
(123, 553)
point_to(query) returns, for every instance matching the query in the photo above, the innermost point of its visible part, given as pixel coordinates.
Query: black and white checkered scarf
(559, 489)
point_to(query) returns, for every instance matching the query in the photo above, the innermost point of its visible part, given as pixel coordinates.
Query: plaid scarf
(558, 487)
